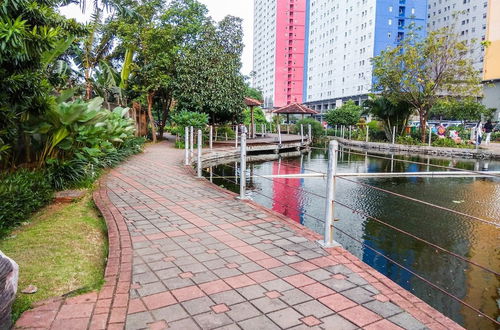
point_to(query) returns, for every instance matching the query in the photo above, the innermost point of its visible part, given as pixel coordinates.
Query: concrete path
(185, 254)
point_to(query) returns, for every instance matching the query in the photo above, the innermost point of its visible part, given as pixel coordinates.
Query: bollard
(393, 134)
(278, 128)
(330, 194)
(186, 145)
(210, 137)
(367, 133)
(198, 156)
(301, 134)
(309, 133)
(430, 136)
(191, 142)
(243, 165)
(236, 138)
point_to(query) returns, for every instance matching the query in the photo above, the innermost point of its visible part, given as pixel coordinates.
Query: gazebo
(252, 103)
(295, 109)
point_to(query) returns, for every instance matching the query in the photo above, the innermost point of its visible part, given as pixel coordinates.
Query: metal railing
(330, 202)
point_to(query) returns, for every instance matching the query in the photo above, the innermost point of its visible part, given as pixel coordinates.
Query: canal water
(299, 199)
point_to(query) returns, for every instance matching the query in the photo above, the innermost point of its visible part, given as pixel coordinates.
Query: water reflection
(469, 238)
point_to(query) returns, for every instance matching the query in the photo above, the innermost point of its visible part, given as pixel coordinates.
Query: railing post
(210, 137)
(342, 130)
(330, 194)
(191, 141)
(350, 132)
(336, 128)
(309, 132)
(367, 133)
(200, 141)
(393, 134)
(301, 134)
(262, 130)
(243, 166)
(278, 128)
(186, 145)
(236, 138)
(430, 136)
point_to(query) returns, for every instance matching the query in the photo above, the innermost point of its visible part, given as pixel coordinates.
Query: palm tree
(392, 115)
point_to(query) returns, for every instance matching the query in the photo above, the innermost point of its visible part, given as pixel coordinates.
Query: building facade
(278, 59)
(491, 71)
(468, 18)
(342, 38)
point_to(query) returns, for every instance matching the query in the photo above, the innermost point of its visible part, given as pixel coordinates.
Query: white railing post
(350, 132)
(200, 141)
(330, 194)
(342, 130)
(336, 128)
(278, 128)
(243, 166)
(430, 136)
(210, 137)
(191, 142)
(301, 134)
(309, 132)
(236, 138)
(393, 134)
(186, 145)
(367, 133)
(262, 130)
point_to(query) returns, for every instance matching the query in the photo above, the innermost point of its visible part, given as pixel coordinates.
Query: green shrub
(449, 143)
(22, 193)
(183, 119)
(347, 114)
(316, 127)
(222, 131)
(408, 140)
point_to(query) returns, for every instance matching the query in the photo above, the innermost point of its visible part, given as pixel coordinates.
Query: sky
(218, 9)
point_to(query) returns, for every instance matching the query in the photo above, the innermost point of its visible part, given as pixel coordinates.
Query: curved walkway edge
(185, 254)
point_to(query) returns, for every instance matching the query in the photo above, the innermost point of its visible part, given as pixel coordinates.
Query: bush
(348, 114)
(408, 140)
(22, 193)
(183, 119)
(449, 143)
(316, 127)
(222, 131)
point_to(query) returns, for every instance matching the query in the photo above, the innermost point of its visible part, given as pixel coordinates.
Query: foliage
(258, 116)
(449, 143)
(221, 132)
(209, 78)
(253, 93)
(467, 109)
(418, 71)
(348, 114)
(389, 113)
(183, 119)
(22, 193)
(408, 140)
(32, 35)
(316, 127)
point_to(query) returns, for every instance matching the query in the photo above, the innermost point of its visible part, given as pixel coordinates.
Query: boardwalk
(185, 254)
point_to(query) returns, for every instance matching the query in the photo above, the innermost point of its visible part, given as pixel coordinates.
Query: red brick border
(106, 309)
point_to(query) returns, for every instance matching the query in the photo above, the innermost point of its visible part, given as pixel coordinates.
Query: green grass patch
(61, 249)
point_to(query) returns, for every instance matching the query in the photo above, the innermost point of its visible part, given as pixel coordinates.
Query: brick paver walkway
(186, 254)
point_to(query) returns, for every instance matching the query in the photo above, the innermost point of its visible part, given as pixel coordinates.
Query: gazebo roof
(296, 109)
(252, 102)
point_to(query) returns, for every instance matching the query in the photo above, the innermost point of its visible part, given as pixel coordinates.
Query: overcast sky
(218, 9)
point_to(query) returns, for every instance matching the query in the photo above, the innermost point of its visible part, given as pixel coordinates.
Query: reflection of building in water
(286, 195)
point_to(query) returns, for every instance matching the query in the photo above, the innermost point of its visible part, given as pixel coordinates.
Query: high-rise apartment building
(278, 59)
(342, 37)
(468, 19)
(491, 69)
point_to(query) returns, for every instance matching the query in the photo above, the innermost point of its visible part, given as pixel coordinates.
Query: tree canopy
(348, 114)
(420, 71)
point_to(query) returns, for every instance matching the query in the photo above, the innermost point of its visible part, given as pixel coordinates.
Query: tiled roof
(252, 102)
(296, 108)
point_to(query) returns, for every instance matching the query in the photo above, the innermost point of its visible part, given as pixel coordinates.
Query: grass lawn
(61, 249)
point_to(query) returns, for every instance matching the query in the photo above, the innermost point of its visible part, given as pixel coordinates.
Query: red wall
(289, 51)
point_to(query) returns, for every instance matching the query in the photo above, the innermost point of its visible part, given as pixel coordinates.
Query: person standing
(479, 132)
(488, 128)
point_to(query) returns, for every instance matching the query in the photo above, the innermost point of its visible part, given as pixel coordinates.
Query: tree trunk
(88, 84)
(150, 115)
(423, 124)
(165, 109)
(252, 124)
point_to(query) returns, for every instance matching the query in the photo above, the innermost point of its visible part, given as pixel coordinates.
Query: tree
(209, 78)
(253, 93)
(259, 116)
(419, 71)
(391, 115)
(348, 114)
(461, 109)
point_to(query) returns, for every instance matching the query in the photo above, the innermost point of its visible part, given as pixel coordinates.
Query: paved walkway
(185, 254)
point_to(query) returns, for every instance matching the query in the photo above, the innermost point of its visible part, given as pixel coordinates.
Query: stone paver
(186, 254)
